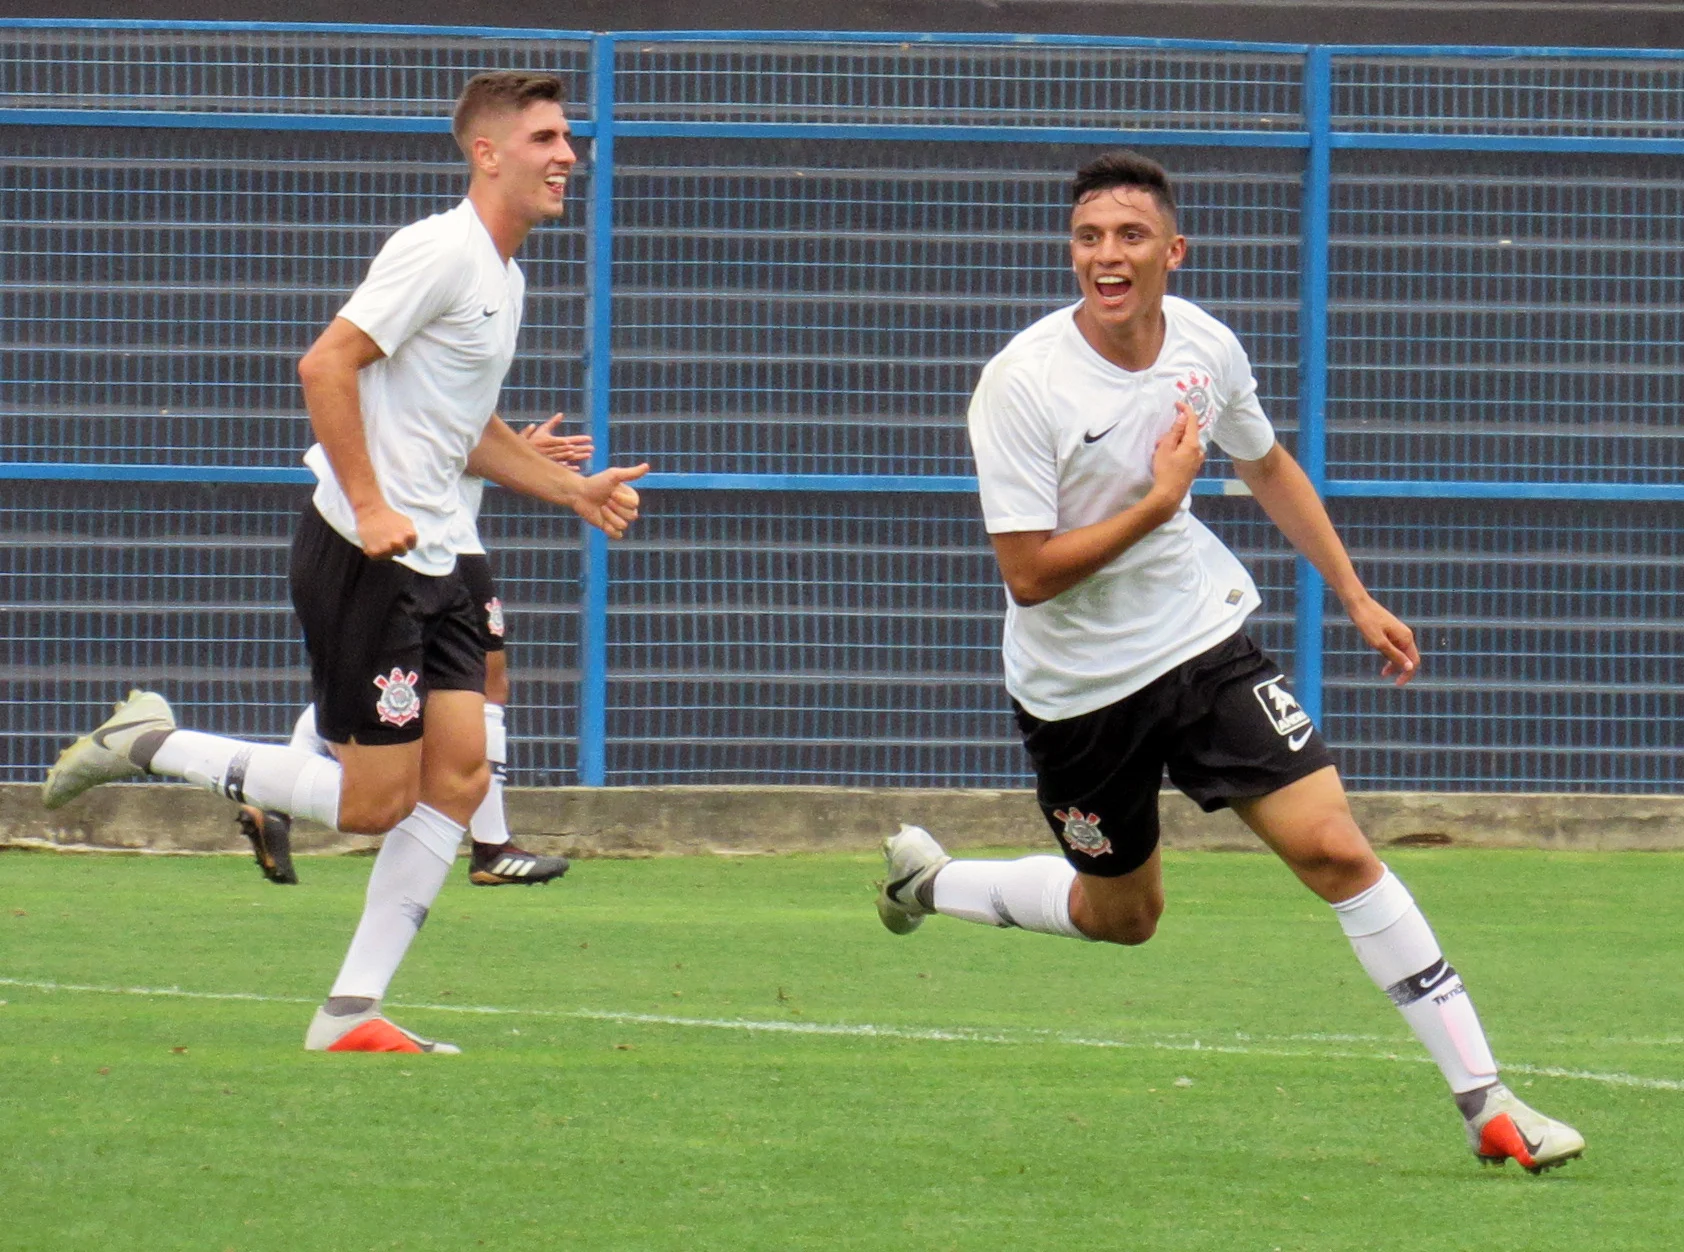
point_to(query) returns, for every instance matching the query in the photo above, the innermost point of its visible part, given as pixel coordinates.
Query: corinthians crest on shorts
(399, 704)
(494, 617)
(1081, 832)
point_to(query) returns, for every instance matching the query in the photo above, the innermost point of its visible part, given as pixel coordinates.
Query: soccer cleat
(912, 857)
(1506, 1127)
(368, 1031)
(110, 752)
(501, 864)
(270, 833)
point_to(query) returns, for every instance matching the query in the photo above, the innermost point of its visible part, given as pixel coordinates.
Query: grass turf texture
(157, 1122)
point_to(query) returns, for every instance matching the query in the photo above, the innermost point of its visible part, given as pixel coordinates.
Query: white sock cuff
(305, 736)
(433, 831)
(1055, 900)
(1371, 911)
(496, 735)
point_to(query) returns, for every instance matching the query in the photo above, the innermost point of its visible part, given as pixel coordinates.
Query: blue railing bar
(958, 38)
(67, 471)
(1315, 223)
(1417, 490)
(1283, 138)
(599, 335)
(1379, 489)
(942, 483)
(288, 28)
(1500, 53)
(164, 119)
(1508, 143)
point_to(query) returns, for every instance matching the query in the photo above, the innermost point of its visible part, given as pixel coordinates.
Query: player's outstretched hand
(569, 450)
(608, 501)
(1390, 638)
(1178, 456)
(385, 532)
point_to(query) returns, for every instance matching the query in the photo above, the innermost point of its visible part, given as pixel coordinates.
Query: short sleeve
(1241, 429)
(411, 282)
(1016, 455)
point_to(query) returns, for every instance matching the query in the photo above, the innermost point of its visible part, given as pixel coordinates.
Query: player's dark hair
(1122, 168)
(499, 91)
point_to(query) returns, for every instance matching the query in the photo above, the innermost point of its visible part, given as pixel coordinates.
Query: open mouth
(556, 183)
(1112, 288)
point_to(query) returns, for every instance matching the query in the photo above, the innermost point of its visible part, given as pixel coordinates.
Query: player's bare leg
(447, 771)
(1309, 825)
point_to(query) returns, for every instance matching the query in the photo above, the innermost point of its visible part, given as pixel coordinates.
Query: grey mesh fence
(784, 262)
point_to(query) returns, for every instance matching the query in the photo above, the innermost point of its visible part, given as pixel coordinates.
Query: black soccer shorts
(1224, 724)
(379, 635)
(475, 569)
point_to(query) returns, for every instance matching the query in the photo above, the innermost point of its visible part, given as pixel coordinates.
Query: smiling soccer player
(1125, 645)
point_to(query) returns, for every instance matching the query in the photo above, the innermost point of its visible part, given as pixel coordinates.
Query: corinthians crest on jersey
(1081, 832)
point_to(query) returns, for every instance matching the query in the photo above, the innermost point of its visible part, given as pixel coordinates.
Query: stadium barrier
(785, 259)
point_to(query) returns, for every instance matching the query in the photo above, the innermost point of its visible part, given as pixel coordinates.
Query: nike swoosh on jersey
(1297, 742)
(1087, 438)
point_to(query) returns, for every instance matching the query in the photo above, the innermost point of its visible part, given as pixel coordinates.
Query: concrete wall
(659, 821)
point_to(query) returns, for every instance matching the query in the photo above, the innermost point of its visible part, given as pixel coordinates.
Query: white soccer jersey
(445, 309)
(1064, 439)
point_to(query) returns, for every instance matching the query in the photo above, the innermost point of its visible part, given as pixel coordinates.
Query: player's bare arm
(605, 500)
(328, 372)
(1290, 500)
(1037, 565)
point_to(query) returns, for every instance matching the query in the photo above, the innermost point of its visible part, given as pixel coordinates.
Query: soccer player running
(1125, 650)
(493, 858)
(400, 387)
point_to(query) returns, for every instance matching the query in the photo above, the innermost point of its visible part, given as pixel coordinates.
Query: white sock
(267, 775)
(412, 865)
(305, 737)
(1032, 893)
(1397, 948)
(489, 823)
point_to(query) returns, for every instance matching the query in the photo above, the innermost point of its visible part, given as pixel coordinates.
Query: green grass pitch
(731, 1053)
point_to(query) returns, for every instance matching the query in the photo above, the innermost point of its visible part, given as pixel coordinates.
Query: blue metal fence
(786, 256)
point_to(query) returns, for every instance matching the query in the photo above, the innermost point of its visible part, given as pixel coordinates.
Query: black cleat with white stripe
(271, 841)
(503, 865)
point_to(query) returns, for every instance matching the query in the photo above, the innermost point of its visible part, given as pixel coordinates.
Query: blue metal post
(1312, 366)
(599, 327)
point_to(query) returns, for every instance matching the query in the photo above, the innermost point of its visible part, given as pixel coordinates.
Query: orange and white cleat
(1505, 1127)
(368, 1031)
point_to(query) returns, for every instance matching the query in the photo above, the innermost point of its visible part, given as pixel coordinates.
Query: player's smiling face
(1122, 248)
(531, 161)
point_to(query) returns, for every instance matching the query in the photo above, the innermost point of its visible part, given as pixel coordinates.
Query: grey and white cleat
(121, 747)
(368, 1031)
(912, 858)
(1506, 1127)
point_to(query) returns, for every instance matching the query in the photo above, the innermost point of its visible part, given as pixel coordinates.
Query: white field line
(1244, 1045)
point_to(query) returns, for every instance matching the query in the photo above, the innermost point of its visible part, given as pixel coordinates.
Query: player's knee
(1129, 928)
(1333, 854)
(465, 785)
(376, 814)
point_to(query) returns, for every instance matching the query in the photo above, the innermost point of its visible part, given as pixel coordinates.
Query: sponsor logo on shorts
(1195, 394)
(494, 617)
(399, 704)
(1284, 712)
(1081, 832)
